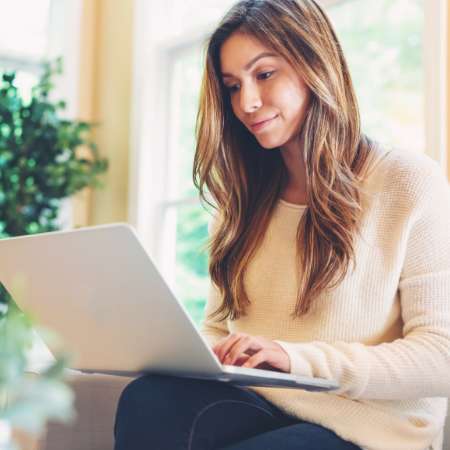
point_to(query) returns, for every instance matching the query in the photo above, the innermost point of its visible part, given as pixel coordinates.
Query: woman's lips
(260, 125)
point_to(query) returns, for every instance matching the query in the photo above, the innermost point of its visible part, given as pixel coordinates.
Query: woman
(329, 257)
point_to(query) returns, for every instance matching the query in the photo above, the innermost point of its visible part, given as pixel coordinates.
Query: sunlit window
(24, 28)
(24, 40)
(184, 217)
(384, 51)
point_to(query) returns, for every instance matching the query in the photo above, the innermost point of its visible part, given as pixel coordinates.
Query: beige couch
(96, 400)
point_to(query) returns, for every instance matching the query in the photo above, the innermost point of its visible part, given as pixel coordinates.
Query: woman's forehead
(240, 51)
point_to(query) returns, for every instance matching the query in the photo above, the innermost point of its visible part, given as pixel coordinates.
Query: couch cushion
(95, 404)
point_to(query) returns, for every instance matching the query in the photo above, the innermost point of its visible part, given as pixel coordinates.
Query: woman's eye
(261, 76)
(265, 75)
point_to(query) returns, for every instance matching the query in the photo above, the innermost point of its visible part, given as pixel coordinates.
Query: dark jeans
(157, 412)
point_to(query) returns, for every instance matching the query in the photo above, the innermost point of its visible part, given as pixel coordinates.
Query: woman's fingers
(276, 358)
(222, 347)
(251, 351)
(241, 346)
(241, 360)
(259, 358)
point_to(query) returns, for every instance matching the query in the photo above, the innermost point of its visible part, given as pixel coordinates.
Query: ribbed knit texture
(384, 333)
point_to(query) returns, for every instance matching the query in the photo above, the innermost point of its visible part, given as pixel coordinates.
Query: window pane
(384, 52)
(205, 12)
(186, 79)
(191, 281)
(24, 29)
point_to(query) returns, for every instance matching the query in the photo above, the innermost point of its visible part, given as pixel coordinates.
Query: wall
(105, 98)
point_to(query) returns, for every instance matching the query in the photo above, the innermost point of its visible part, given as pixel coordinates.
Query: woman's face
(266, 93)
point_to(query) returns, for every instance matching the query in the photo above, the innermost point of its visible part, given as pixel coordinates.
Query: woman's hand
(245, 350)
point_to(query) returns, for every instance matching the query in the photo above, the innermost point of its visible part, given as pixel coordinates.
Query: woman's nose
(250, 100)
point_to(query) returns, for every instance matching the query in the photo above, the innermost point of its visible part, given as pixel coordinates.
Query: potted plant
(43, 157)
(28, 401)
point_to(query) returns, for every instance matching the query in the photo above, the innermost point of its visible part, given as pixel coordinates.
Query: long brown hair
(236, 170)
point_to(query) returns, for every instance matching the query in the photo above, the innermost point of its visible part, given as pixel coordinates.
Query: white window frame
(435, 59)
(150, 127)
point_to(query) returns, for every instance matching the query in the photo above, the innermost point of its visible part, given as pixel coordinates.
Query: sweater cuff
(299, 365)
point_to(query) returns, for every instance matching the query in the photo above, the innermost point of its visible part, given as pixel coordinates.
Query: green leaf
(38, 401)
(39, 158)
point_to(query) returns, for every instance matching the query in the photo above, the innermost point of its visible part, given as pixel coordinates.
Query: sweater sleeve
(418, 364)
(213, 329)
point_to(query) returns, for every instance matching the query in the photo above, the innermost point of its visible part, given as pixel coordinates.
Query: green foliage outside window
(192, 259)
(385, 53)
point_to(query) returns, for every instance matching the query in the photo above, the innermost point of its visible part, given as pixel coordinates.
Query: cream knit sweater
(384, 332)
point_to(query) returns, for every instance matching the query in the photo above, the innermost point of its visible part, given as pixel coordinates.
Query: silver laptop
(99, 290)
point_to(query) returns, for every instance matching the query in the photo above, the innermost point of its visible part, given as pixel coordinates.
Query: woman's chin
(268, 144)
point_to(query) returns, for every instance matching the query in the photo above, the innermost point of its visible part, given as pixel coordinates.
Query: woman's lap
(164, 412)
(300, 436)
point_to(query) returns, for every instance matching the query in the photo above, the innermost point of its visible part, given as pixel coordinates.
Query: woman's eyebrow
(251, 62)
